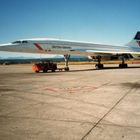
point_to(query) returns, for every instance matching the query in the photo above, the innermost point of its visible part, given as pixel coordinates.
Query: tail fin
(135, 41)
(135, 45)
(137, 36)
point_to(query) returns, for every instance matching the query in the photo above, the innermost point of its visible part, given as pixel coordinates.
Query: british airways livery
(98, 52)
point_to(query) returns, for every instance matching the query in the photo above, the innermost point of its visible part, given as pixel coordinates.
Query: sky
(100, 21)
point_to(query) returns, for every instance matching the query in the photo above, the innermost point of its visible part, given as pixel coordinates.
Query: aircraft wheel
(67, 69)
(123, 65)
(45, 70)
(99, 66)
(53, 70)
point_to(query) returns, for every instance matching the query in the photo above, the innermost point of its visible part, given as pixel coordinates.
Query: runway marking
(72, 89)
(88, 88)
(51, 89)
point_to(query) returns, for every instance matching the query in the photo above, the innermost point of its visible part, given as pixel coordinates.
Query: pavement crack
(129, 91)
(52, 104)
(124, 126)
(60, 97)
(18, 109)
(47, 119)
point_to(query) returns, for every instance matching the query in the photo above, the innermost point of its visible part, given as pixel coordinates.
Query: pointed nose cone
(6, 47)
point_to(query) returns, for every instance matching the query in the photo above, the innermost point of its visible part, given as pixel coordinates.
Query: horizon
(98, 21)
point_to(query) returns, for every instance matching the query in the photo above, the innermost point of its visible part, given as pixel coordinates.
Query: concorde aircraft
(98, 52)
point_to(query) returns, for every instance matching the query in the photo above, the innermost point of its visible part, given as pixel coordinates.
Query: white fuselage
(56, 46)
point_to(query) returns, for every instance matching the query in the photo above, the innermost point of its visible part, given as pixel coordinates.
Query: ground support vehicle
(44, 67)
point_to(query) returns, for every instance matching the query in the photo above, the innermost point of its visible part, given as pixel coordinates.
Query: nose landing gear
(67, 57)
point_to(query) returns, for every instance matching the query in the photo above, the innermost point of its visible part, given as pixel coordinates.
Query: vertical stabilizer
(137, 36)
(134, 45)
(135, 41)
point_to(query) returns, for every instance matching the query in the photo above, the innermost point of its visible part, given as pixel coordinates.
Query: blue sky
(101, 21)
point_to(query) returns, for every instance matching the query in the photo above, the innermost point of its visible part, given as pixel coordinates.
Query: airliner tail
(135, 41)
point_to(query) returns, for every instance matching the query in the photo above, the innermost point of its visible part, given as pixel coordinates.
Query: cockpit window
(24, 41)
(19, 42)
(16, 42)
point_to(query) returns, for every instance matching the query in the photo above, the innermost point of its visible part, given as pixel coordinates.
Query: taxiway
(83, 104)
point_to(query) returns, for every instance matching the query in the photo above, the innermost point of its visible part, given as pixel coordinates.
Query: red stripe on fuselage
(38, 46)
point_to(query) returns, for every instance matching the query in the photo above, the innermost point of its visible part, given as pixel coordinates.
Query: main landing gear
(67, 57)
(123, 65)
(99, 65)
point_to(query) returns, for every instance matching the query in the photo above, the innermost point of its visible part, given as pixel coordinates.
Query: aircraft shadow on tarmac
(132, 85)
(105, 68)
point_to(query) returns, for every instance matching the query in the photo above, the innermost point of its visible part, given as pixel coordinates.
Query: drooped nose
(7, 47)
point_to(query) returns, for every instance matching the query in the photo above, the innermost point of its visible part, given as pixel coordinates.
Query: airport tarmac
(82, 104)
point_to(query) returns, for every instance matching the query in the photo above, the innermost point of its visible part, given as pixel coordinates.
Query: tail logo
(138, 43)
